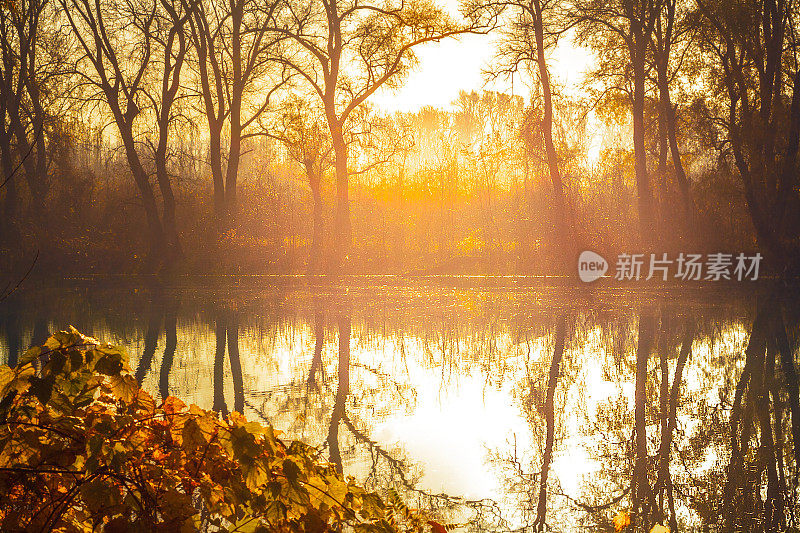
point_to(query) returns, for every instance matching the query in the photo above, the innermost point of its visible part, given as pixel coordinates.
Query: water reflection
(505, 408)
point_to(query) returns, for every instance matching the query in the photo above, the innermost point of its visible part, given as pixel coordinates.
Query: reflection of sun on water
(450, 434)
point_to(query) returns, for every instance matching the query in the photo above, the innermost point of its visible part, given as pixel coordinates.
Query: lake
(677, 405)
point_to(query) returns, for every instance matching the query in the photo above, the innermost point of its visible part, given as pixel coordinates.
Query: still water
(677, 406)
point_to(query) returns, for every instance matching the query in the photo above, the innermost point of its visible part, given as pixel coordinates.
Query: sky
(452, 65)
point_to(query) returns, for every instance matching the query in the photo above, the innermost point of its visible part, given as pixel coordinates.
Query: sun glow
(460, 64)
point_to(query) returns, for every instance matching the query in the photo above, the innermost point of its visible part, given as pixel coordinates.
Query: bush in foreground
(83, 448)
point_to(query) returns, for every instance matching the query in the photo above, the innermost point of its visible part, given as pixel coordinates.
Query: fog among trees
(196, 136)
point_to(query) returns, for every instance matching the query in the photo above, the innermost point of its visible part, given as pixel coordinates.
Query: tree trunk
(237, 88)
(319, 342)
(342, 390)
(315, 251)
(169, 90)
(645, 193)
(172, 240)
(661, 169)
(232, 170)
(38, 182)
(549, 410)
(27, 157)
(664, 481)
(34, 161)
(689, 208)
(219, 367)
(777, 415)
(788, 173)
(773, 505)
(215, 157)
(342, 231)
(547, 131)
(214, 111)
(667, 115)
(42, 181)
(664, 446)
(236, 365)
(792, 388)
(640, 484)
(732, 505)
(171, 330)
(156, 239)
(8, 222)
(150, 343)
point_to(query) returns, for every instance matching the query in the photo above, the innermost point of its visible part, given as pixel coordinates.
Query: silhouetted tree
(345, 51)
(123, 46)
(749, 66)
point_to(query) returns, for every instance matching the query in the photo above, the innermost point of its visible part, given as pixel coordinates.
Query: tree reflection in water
(683, 412)
(713, 451)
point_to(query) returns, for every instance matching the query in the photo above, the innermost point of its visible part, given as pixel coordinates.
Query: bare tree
(234, 70)
(372, 140)
(32, 55)
(347, 50)
(670, 31)
(533, 32)
(121, 44)
(343, 388)
(622, 31)
(752, 61)
(297, 126)
(169, 33)
(640, 485)
(550, 415)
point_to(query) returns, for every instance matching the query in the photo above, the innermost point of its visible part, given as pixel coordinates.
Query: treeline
(201, 136)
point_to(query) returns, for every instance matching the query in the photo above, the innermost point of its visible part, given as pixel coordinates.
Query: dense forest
(145, 136)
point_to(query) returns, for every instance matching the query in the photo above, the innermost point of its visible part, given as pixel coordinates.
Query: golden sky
(447, 67)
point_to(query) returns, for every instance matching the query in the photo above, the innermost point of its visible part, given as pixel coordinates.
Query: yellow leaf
(33, 352)
(658, 528)
(124, 387)
(173, 405)
(9, 5)
(329, 490)
(255, 475)
(198, 432)
(621, 521)
(15, 378)
(144, 403)
(67, 338)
